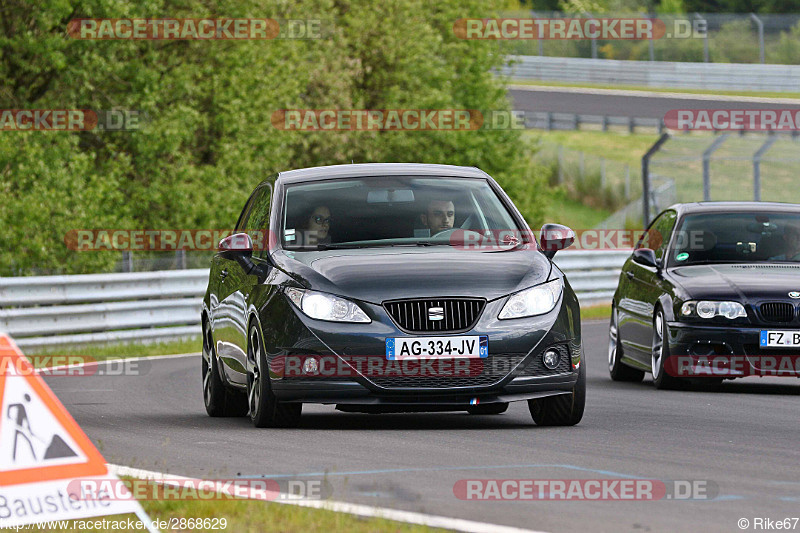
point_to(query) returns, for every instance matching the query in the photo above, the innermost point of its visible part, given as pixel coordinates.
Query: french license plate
(779, 339)
(437, 347)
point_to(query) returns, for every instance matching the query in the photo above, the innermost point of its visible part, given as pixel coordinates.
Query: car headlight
(534, 301)
(322, 306)
(708, 309)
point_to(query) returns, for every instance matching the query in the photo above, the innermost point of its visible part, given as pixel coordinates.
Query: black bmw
(389, 287)
(711, 291)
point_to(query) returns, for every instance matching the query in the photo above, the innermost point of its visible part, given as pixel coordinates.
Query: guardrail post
(707, 165)
(661, 126)
(757, 166)
(549, 121)
(127, 261)
(646, 177)
(576, 121)
(180, 259)
(705, 36)
(605, 122)
(760, 36)
(594, 40)
(631, 124)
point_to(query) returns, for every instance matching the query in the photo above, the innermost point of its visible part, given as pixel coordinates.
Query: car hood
(747, 282)
(375, 275)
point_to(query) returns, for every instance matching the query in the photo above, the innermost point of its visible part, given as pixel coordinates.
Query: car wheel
(218, 399)
(660, 353)
(265, 409)
(562, 410)
(618, 370)
(488, 409)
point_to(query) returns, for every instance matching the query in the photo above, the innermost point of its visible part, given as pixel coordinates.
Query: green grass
(115, 351)
(620, 147)
(596, 312)
(762, 94)
(574, 214)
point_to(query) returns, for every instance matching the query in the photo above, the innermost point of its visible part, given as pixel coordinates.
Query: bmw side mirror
(555, 237)
(238, 247)
(646, 257)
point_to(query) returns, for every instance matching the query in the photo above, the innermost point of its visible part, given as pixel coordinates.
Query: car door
(229, 316)
(643, 288)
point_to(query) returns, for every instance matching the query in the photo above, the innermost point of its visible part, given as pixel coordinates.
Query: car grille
(483, 372)
(535, 366)
(777, 311)
(458, 314)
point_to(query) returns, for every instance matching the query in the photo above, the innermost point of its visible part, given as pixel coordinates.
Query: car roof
(733, 207)
(379, 169)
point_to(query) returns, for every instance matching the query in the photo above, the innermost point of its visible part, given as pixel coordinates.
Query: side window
(657, 236)
(257, 223)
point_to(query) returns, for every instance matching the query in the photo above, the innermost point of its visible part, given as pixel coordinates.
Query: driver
(439, 215)
(791, 239)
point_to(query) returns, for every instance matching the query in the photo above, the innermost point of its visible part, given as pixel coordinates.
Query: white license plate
(437, 347)
(779, 339)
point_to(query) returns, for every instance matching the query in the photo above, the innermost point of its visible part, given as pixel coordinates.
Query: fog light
(551, 359)
(310, 366)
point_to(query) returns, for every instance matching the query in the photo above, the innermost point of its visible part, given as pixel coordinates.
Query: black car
(389, 288)
(711, 291)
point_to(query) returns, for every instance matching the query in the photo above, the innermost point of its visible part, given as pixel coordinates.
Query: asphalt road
(630, 103)
(742, 438)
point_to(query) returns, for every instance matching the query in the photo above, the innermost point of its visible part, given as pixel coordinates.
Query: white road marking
(47, 369)
(410, 517)
(653, 94)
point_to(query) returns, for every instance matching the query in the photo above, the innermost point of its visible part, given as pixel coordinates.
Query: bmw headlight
(537, 300)
(709, 309)
(322, 306)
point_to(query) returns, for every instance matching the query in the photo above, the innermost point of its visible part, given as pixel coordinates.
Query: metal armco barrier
(165, 305)
(716, 76)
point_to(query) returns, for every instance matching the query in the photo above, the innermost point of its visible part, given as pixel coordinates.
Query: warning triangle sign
(39, 440)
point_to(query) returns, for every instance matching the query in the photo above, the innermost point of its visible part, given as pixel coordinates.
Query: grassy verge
(574, 214)
(622, 147)
(596, 312)
(767, 94)
(249, 516)
(116, 351)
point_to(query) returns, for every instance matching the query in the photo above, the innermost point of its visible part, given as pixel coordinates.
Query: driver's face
(440, 216)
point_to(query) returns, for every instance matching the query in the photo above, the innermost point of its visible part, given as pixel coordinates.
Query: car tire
(488, 409)
(660, 352)
(562, 410)
(218, 399)
(265, 409)
(618, 370)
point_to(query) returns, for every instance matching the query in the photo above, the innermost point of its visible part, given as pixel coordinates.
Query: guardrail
(49, 311)
(546, 120)
(715, 76)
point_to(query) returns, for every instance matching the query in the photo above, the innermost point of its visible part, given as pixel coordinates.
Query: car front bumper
(512, 371)
(697, 350)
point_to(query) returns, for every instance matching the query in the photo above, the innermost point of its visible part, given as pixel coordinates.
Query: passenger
(791, 240)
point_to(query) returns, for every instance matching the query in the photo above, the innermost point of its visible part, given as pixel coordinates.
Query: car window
(257, 223)
(387, 211)
(658, 234)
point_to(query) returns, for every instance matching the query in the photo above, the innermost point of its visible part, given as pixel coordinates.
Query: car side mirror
(238, 247)
(646, 257)
(555, 237)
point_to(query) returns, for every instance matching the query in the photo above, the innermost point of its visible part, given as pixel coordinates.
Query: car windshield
(737, 237)
(392, 211)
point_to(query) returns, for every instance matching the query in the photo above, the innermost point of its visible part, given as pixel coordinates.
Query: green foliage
(208, 139)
